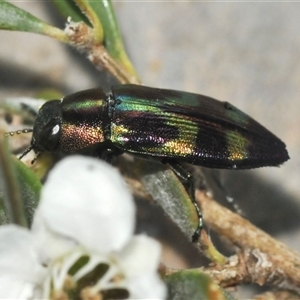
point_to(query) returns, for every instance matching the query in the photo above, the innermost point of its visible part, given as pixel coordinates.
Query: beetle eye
(55, 129)
(50, 136)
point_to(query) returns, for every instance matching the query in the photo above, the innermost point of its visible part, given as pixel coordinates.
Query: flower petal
(140, 254)
(51, 244)
(21, 274)
(139, 261)
(148, 286)
(86, 200)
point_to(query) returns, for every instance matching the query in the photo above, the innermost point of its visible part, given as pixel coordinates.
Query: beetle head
(47, 127)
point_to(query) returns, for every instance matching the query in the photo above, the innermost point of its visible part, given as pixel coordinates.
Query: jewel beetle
(168, 125)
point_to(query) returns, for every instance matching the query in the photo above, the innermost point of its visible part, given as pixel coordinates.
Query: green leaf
(166, 189)
(26, 185)
(86, 7)
(30, 188)
(192, 284)
(113, 39)
(105, 12)
(112, 36)
(9, 188)
(81, 11)
(14, 18)
(19, 189)
(68, 8)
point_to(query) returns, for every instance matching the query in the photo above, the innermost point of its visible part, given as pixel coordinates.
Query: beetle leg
(107, 156)
(109, 153)
(187, 177)
(29, 109)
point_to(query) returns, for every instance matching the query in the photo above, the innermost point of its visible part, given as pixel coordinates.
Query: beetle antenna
(37, 155)
(25, 152)
(26, 130)
(12, 133)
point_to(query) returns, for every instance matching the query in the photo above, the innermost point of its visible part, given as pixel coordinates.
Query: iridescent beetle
(171, 126)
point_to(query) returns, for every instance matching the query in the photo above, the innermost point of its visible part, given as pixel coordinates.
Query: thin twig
(282, 295)
(82, 38)
(266, 260)
(261, 259)
(101, 59)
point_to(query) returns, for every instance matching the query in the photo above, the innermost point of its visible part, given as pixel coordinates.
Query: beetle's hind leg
(187, 177)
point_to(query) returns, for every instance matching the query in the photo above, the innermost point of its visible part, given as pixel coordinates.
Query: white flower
(85, 198)
(141, 254)
(81, 241)
(20, 270)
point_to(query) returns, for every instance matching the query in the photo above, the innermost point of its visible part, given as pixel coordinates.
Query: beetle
(172, 126)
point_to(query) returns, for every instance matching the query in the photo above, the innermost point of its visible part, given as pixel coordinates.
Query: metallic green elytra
(172, 126)
(192, 128)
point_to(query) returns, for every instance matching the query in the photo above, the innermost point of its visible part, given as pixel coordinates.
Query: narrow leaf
(165, 188)
(81, 11)
(89, 12)
(16, 19)
(68, 8)
(112, 36)
(30, 187)
(191, 284)
(9, 187)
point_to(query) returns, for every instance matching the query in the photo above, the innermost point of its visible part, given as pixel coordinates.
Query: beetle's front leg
(187, 177)
(109, 153)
